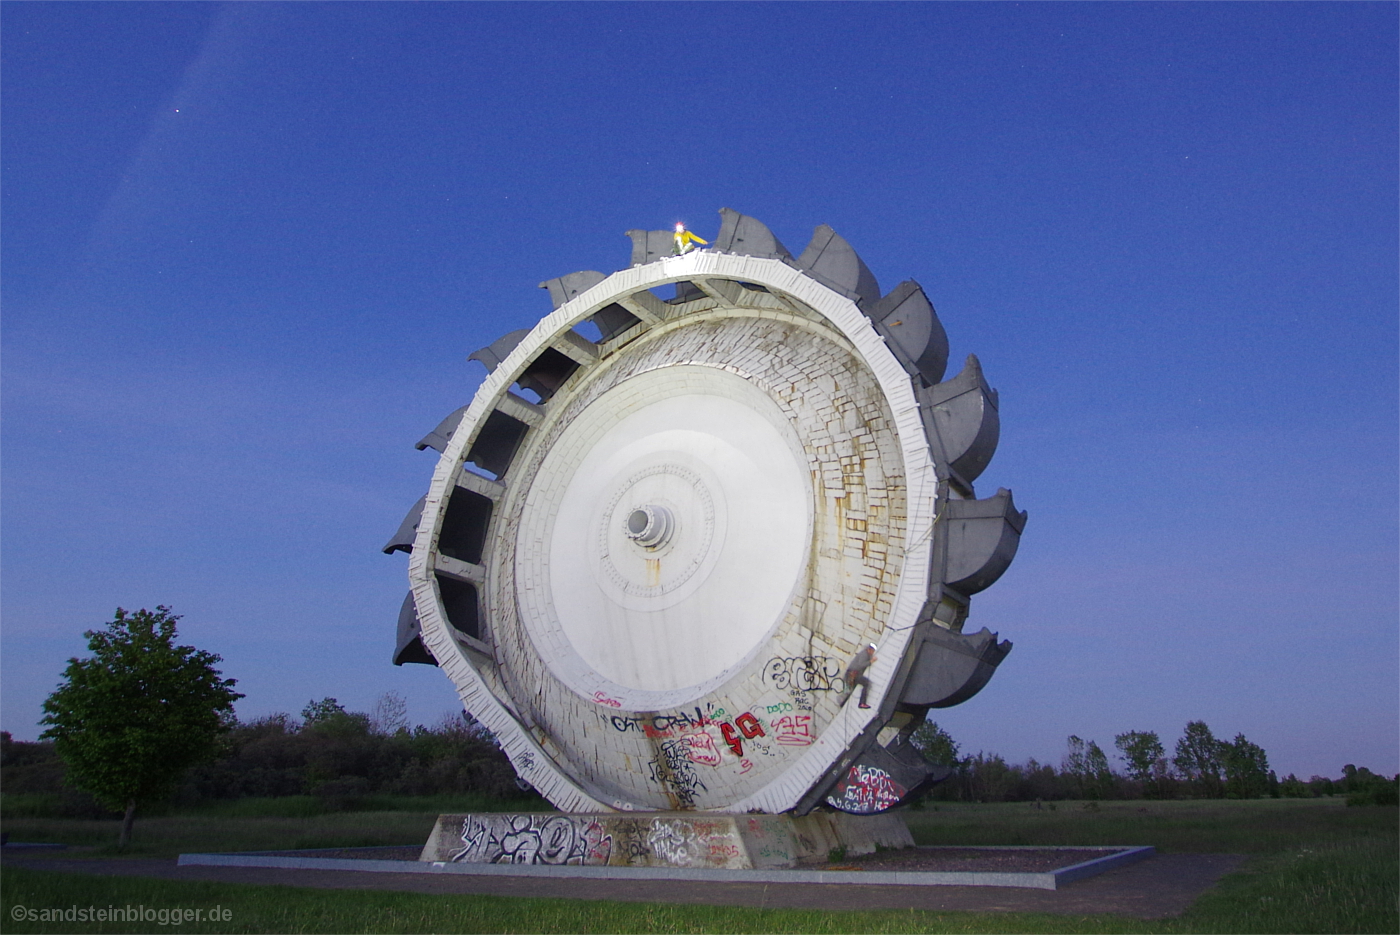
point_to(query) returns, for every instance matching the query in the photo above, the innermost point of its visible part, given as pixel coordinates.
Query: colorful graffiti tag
(695, 733)
(748, 725)
(866, 790)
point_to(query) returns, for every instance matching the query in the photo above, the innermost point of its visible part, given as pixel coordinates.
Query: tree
(317, 712)
(1075, 764)
(1140, 751)
(1363, 787)
(130, 721)
(390, 714)
(1087, 766)
(1246, 769)
(989, 778)
(936, 744)
(1096, 761)
(1198, 757)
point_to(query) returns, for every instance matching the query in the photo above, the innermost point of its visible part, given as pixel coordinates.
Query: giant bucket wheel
(646, 560)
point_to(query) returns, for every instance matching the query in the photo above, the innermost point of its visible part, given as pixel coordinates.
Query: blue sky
(247, 248)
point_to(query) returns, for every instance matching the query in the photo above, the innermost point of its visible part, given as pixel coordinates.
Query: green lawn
(288, 823)
(1315, 866)
(1250, 826)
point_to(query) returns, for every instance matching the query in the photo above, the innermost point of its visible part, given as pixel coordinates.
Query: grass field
(256, 825)
(1315, 866)
(1250, 826)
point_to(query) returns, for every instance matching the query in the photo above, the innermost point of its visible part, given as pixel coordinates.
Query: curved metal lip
(519, 742)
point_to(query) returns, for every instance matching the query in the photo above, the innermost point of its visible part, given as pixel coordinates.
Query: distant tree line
(341, 757)
(144, 720)
(1201, 766)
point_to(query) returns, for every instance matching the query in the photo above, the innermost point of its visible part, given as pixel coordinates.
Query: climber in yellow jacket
(685, 240)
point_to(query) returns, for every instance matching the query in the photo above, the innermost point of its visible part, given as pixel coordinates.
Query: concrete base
(661, 839)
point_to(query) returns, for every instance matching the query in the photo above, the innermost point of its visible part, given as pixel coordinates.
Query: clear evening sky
(247, 248)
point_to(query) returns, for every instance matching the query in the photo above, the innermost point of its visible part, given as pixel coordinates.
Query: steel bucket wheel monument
(646, 562)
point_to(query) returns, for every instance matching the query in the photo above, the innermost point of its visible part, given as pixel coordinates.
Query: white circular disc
(717, 460)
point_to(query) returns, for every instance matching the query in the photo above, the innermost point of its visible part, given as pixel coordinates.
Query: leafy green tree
(1246, 769)
(1096, 761)
(328, 716)
(1141, 751)
(1198, 757)
(129, 721)
(1321, 785)
(1364, 787)
(936, 744)
(1040, 781)
(317, 712)
(1075, 765)
(990, 778)
(1086, 766)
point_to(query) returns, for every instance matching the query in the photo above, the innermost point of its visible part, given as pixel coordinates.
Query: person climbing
(855, 673)
(685, 240)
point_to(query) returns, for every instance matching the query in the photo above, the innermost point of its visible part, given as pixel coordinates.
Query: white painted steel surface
(654, 624)
(782, 439)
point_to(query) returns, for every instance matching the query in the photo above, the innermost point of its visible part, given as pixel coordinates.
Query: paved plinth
(1074, 867)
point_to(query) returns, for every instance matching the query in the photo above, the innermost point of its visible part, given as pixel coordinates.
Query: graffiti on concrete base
(674, 842)
(533, 839)
(866, 790)
(589, 840)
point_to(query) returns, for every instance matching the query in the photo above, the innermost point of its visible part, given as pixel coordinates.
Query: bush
(336, 761)
(32, 776)
(340, 758)
(1363, 787)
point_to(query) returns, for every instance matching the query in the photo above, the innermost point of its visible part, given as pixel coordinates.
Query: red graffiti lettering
(749, 725)
(730, 738)
(793, 730)
(702, 749)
